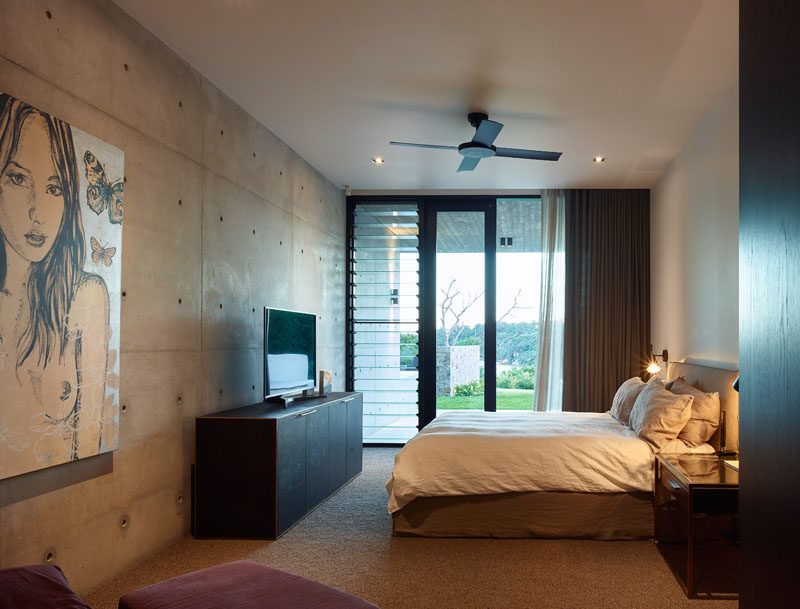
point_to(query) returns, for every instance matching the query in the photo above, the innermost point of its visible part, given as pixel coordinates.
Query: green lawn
(507, 399)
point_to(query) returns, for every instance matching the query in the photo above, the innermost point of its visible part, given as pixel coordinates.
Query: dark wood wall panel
(769, 285)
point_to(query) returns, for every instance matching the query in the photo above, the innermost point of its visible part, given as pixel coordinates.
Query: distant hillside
(516, 342)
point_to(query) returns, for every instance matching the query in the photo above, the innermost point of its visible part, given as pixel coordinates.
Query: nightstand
(696, 523)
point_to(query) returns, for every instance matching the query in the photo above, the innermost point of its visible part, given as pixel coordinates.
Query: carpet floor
(347, 543)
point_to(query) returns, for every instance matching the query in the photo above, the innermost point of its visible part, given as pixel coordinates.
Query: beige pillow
(658, 415)
(624, 399)
(704, 419)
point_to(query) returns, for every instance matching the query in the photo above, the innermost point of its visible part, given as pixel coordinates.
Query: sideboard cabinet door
(337, 446)
(291, 468)
(316, 457)
(355, 431)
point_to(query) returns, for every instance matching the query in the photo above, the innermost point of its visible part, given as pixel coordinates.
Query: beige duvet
(482, 453)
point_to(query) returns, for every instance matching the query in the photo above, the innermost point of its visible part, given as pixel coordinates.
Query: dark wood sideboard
(261, 468)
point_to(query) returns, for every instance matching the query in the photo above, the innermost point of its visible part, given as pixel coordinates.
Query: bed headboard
(709, 378)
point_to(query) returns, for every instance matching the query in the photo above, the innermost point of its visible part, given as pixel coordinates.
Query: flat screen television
(290, 349)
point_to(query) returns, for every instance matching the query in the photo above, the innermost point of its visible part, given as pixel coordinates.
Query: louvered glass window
(384, 318)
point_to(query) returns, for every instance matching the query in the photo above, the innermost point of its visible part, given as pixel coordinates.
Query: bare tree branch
(448, 307)
(457, 324)
(513, 307)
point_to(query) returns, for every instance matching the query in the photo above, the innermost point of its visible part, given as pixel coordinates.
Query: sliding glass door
(457, 321)
(443, 306)
(481, 268)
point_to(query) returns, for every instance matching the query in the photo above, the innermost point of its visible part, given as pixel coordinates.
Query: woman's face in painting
(31, 194)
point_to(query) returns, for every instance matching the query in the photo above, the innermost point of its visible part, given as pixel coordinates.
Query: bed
(531, 474)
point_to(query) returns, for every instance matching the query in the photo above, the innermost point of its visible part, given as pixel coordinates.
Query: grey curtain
(607, 309)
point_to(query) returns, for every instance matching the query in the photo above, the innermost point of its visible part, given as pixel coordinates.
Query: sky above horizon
(518, 275)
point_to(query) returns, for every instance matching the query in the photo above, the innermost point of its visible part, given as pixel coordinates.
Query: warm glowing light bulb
(653, 368)
(378, 160)
(599, 159)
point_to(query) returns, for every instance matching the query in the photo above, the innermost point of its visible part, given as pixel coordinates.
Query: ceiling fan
(480, 147)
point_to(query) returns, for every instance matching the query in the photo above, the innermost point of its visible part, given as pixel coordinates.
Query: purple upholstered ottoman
(240, 585)
(37, 587)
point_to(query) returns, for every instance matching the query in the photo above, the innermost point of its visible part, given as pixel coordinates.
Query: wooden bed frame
(560, 514)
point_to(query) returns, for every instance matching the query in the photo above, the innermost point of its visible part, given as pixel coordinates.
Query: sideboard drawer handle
(305, 414)
(348, 400)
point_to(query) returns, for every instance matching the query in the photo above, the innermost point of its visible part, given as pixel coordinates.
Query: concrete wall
(694, 236)
(221, 219)
(456, 366)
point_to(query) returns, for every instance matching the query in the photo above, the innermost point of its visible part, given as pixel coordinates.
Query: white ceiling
(338, 79)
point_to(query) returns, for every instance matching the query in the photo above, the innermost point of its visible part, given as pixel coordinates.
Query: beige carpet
(346, 543)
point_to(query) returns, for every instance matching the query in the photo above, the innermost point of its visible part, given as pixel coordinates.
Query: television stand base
(288, 400)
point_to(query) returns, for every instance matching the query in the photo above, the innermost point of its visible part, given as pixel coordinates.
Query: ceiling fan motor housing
(476, 118)
(476, 150)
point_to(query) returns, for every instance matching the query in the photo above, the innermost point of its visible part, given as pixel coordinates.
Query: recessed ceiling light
(378, 160)
(599, 159)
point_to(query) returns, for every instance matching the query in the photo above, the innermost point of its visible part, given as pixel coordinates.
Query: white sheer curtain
(550, 348)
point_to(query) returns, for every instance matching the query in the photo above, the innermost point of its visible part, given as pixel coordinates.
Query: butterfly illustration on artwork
(102, 253)
(101, 193)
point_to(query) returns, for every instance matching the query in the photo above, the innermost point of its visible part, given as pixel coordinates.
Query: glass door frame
(430, 207)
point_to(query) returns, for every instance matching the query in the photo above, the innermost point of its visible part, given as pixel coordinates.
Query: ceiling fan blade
(519, 153)
(423, 145)
(469, 163)
(487, 131)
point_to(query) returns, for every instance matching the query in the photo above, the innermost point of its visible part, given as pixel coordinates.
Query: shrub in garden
(519, 378)
(471, 388)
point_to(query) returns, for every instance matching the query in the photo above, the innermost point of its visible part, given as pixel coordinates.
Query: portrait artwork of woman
(54, 315)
